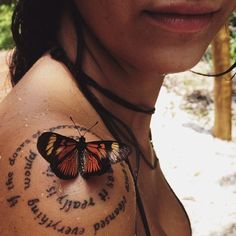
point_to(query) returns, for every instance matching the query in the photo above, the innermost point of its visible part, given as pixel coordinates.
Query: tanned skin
(128, 55)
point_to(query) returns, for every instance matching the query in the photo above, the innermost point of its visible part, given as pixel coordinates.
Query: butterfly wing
(99, 155)
(62, 154)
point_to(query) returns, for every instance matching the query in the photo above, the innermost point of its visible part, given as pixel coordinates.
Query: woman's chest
(163, 211)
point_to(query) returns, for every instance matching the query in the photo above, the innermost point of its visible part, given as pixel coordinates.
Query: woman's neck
(138, 87)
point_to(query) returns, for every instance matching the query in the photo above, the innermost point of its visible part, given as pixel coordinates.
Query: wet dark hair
(35, 24)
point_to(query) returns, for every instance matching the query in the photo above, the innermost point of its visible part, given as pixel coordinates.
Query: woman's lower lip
(181, 22)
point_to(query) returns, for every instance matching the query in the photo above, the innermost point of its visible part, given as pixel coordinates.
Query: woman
(94, 69)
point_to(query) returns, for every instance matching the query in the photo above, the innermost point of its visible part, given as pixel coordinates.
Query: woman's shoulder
(42, 81)
(33, 200)
(47, 91)
(34, 99)
(47, 78)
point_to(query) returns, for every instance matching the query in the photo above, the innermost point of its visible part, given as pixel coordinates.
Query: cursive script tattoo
(9, 183)
(111, 217)
(57, 225)
(12, 201)
(67, 205)
(24, 191)
(28, 168)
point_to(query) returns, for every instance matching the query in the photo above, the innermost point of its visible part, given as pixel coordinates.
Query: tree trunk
(223, 86)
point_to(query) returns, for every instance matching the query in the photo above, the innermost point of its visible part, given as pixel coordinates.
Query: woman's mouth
(181, 18)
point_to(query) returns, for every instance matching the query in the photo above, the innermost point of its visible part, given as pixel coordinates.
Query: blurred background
(194, 130)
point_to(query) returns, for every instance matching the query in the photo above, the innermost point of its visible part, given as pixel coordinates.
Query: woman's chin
(168, 67)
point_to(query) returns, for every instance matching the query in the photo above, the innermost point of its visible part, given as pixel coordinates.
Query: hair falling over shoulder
(35, 25)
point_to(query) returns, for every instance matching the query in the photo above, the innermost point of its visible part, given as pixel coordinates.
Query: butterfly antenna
(76, 126)
(90, 128)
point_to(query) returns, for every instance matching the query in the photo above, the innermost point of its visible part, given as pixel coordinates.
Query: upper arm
(33, 201)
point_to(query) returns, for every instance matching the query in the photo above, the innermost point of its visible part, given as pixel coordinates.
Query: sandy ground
(201, 169)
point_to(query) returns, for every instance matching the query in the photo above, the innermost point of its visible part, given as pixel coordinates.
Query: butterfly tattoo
(68, 158)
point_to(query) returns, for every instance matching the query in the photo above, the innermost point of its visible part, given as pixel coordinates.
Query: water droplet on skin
(60, 189)
(2, 199)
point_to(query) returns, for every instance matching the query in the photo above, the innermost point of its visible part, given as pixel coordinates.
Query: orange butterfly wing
(99, 155)
(62, 154)
(67, 157)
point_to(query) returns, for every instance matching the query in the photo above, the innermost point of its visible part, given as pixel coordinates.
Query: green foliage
(6, 41)
(233, 35)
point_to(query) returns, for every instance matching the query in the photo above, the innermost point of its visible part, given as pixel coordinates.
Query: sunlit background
(200, 168)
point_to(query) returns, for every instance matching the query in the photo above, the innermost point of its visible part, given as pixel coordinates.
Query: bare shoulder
(33, 200)
(36, 101)
(46, 94)
(48, 80)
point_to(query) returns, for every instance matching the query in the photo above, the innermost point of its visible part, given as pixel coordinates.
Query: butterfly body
(68, 157)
